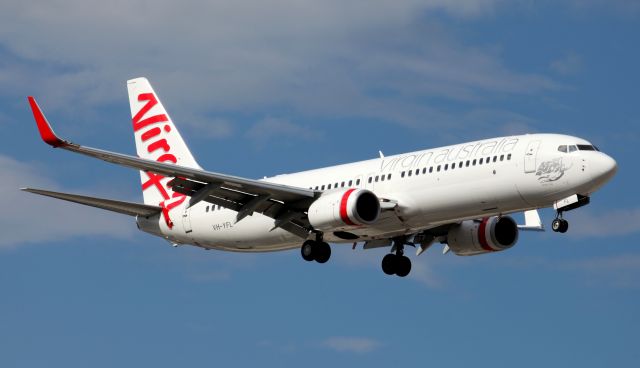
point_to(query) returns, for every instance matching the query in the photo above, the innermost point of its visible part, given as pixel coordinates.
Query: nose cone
(605, 168)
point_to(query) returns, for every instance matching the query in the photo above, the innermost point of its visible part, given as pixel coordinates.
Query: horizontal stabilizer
(127, 208)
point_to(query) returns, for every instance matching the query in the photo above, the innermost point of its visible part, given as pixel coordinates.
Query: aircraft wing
(127, 208)
(286, 204)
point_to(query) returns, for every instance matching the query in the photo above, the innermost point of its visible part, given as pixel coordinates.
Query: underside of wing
(127, 208)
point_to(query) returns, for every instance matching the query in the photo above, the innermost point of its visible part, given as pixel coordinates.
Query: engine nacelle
(491, 234)
(344, 209)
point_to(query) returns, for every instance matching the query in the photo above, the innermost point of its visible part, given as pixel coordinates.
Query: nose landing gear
(560, 225)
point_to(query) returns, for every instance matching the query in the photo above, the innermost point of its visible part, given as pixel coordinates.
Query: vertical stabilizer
(158, 139)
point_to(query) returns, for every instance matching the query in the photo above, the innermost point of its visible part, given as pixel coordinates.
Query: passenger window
(480, 162)
(417, 171)
(495, 158)
(409, 172)
(467, 164)
(329, 186)
(453, 166)
(439, 168)
(336, 186)
(501, 157)
(342, 185)
(382, 177)
(377, 177)
(509, 157)
(563, 148)
(316, 187)
(389, 177)
(446, 167)
(370, 180)
(207, 208)
(358, 182)
(430, 169)
(402, 174)
(323, 187)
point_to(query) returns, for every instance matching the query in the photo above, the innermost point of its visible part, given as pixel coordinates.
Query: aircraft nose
(605, 167)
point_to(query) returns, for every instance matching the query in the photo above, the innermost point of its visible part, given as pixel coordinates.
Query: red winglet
(46, 132)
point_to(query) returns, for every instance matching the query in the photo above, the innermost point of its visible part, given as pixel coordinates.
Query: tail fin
(157, 138)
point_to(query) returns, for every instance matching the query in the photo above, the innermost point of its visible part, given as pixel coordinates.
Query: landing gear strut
(398, 263)
(316, 250)
(560, 225)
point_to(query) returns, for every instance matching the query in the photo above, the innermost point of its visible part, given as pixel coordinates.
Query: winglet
(47, 134)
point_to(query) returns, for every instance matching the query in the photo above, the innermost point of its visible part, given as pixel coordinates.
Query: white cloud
(614, 263)
(359, 345)
(571, 63)
(27, 218)
(281, 129)
(614, 222)
(332, 58)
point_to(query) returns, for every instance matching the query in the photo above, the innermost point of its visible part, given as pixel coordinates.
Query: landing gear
(314, 250)
(398, 263)
(560, 225)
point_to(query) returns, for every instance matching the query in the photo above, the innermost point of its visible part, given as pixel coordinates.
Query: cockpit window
(587, 147)
(572, 148)
(562, 149)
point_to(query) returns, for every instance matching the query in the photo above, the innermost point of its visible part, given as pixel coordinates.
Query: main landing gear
(398, 263)
(316, 250)
(560, 225)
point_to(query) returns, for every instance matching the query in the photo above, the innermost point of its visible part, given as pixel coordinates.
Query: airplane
(461, 196)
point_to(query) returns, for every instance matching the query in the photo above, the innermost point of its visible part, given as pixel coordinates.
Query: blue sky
(263, 88)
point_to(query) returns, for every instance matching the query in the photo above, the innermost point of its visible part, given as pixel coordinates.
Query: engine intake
(491, 234)
(339, 210)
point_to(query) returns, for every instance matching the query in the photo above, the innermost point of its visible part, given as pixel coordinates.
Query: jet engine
(491, 234)
(343, 209)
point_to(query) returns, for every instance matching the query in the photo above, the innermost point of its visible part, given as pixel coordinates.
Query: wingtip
(47, 134)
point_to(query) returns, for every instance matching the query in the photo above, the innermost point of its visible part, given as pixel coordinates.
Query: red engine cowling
(343, 209)
(491, 234)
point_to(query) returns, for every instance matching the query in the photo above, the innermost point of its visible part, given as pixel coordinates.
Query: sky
(268, 87)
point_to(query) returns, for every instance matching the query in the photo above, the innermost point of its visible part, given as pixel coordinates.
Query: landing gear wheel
(308, 250)
(564, 226)
(313, 250)
(556, 225)
(389, 264)
(403, 266)
(560, 225)
(323, 252)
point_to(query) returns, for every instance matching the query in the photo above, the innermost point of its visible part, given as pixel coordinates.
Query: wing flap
(127, 208)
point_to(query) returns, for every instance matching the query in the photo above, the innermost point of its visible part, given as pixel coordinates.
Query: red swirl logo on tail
(152, 138)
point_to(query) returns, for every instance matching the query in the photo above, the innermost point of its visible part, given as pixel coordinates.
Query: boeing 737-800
(459, 195)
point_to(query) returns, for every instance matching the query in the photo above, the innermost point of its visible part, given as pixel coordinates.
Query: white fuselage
(431, 188)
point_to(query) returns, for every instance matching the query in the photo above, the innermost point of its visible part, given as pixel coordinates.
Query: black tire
(403, 266)
(389, 264)
(323, 252)
(556, 225)
(564, 226)
(308, 250)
